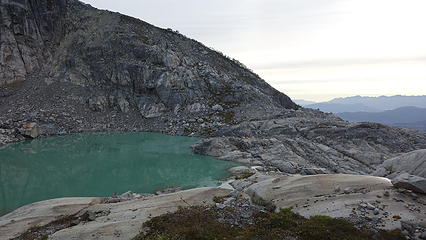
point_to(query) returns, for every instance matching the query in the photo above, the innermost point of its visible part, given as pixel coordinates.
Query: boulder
(240, 170)
(196, 107)
(124, 105)
(152, 110)
(413, 163)
(217, 108)
(30, 130)
(98, 103)
(410, 182)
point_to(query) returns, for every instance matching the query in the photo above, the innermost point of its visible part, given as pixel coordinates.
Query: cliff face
(28, 30)
(122, 62)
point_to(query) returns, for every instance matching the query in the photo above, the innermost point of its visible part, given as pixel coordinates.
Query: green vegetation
(244, 176)
(228, 117)
(221, 199)
(42, 232)
(201, 223)
(198, 223)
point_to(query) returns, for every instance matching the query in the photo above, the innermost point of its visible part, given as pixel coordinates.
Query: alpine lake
(101, 165)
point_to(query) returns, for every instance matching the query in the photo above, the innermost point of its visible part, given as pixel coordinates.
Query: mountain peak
(119, 62)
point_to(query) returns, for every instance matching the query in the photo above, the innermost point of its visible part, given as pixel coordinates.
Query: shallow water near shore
(101, 164)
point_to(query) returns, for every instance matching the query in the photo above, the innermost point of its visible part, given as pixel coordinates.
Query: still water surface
(101, 164)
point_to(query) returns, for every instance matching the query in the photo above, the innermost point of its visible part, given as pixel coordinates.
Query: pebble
(423, 235)
(370, 207)
(347, 190)
(376, 211)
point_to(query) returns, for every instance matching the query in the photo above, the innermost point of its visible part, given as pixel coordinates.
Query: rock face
(304, 139)
(120, 59)
(413, 163)
(29, 29)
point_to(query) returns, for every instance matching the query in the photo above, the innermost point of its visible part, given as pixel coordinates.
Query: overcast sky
(309, 49)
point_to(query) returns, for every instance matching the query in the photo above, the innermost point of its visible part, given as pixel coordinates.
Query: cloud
(338, 62)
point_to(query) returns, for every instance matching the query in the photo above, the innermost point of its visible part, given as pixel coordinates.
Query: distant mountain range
(409, 117)
(367, 104)
(401, 111)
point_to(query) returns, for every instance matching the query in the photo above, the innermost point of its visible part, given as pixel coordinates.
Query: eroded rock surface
(413, 163)
(372, 199)
(21, 220)
(306, 139)
(97, 220)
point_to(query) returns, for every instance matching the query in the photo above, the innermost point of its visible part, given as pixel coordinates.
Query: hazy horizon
(309, 49)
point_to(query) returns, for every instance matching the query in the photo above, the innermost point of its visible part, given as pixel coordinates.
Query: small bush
(327, 228)
(244, 176)
(221, 199)
(201, 223)
(198, 223)
(391, 235)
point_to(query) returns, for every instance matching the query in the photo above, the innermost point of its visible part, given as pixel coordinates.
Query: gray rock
(124, 105)
(240, 170)
(126, 196)
(30, 130)
(423, 235)
(413, 163)
(370, 206)
(98, 103)
(314, 195)
(196, 107)
(152, 110)
(376, 211)
(314, 171)
(217, 108)
(126, 217)
(410, 182)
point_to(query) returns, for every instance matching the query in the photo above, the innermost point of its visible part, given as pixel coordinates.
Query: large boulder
(410, 182)
(413, 163)
(30, 130)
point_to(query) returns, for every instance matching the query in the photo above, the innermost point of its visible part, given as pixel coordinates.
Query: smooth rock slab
(41, 213)
(239, 170)
(317, 195)
(123, 220)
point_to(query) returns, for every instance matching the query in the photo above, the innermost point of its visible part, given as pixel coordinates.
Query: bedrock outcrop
(297, 141)
(95, 218)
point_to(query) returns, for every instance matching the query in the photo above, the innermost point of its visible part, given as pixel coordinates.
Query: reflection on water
(101, 164)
